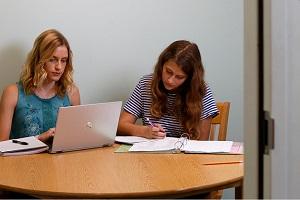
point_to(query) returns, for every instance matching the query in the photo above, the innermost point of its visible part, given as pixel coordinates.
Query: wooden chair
(220, 122)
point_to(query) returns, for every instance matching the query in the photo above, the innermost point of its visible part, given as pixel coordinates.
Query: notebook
(86, 126)
(176, 145)
(22, 146)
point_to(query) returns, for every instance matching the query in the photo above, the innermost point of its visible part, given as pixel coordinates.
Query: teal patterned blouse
(34, 115)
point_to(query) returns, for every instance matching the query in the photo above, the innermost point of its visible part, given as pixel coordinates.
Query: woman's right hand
(154, 132)
(46, 135)
(127, 126)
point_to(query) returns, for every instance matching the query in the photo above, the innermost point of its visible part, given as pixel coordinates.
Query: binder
(177, 145)
(22, 146)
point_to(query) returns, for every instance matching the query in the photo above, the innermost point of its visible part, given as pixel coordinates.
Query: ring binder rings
(181, 142)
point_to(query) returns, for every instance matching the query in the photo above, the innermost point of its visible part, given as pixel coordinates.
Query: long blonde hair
(43, 48)
(188, 103)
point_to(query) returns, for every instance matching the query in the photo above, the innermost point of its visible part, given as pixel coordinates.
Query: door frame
(251, 99)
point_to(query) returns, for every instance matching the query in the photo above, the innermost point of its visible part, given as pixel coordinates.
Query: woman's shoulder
(10, 93)
(74, 95)
(207, 88)
(148, 76)
(11, 89)
(73, 89)
(145, 82)
(146, 79)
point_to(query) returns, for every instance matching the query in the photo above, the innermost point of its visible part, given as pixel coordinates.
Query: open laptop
(86, 126)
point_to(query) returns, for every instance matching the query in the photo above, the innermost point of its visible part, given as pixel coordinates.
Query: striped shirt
(140, 100)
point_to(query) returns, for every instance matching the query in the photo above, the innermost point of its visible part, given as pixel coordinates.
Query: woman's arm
(205, 129)
(8, 103)
(74, 95)
(127, 126)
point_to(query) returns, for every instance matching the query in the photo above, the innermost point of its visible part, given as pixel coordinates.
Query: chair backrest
(220, 122)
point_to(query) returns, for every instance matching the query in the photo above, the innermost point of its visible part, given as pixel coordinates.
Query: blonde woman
(29, 107)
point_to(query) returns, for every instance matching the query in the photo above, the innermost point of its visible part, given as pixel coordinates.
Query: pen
(223, 163)
(19, 142)
(148, 120)
(151, 124)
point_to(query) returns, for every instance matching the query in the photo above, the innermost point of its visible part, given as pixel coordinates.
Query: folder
(22, 146)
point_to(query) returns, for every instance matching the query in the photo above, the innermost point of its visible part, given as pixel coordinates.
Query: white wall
(116, 41)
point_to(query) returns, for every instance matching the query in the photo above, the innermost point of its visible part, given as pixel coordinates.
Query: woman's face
(56, 64)
(172, 76)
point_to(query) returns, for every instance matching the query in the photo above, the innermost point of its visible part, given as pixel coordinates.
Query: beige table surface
(101, 173)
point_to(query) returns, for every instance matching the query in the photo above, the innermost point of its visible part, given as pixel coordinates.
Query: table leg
(239, 192)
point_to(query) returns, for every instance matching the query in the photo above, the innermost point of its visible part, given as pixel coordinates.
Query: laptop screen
(86, 126)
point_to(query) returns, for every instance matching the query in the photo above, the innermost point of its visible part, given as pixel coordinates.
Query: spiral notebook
(176, 145)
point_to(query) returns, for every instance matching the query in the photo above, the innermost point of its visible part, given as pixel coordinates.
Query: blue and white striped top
(140, 100)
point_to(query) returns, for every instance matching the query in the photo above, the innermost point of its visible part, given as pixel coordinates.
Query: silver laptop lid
(86, 126)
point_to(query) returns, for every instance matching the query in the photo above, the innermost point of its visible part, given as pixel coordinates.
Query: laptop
(86, 126)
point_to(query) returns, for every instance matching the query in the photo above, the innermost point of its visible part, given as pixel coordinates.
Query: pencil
(223, 163)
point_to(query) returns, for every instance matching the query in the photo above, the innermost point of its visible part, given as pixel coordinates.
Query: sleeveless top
(34, 115)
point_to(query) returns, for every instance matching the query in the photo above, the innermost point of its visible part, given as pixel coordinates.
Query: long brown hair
(43, 48)
(188, 103)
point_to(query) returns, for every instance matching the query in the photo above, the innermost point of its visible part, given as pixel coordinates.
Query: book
(175, 145)
(22, 146)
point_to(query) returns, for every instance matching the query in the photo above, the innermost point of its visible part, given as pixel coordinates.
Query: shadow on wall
(12, 58)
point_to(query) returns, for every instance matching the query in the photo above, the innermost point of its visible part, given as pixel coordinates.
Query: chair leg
(216, 194)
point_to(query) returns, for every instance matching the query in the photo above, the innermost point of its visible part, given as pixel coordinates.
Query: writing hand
(157, 131)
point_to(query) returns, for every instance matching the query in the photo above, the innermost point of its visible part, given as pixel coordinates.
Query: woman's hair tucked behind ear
(33, 70)
(188, 104)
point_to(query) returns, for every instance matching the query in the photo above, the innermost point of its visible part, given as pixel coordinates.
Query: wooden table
(101, 173)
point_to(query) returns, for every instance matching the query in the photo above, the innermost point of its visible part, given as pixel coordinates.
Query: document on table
(130, 139)
(166, 144)
(196, 146)
(169, 144)
(22, 146)
(172, 144)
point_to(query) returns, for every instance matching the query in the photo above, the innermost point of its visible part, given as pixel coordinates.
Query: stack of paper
(156, 145)
(196, 146)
